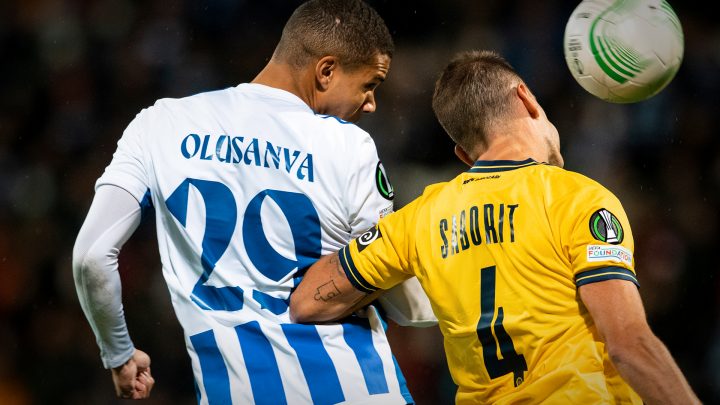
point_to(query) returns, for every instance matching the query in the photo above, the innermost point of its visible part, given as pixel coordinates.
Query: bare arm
(639, 356)
(325, 293)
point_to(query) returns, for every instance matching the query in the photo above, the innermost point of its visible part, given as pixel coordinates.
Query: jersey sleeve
(597, 237)
(113, 217)
(127, 169)
(381, 257)
(369, 194)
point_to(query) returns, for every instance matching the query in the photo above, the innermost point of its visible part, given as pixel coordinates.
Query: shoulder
(436, 193)
(192, 102)
(568, 191)
(334, 124)
(567, 181)
(434, 189)
(169, 108)
(343, 138)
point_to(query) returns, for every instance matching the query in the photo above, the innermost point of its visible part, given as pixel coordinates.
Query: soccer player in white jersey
(250, 185)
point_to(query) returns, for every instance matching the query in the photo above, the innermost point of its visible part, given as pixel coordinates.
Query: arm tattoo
(327, 291)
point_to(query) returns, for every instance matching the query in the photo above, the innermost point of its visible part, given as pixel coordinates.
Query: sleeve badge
(605, 227)
(383, 183)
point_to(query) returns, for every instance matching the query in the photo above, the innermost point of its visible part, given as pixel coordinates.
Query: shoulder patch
(370, 236)
(383, 183)
(600, 253)
(605, 227)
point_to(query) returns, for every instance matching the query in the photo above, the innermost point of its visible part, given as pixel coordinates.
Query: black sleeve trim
(351, 272)
(605, 273)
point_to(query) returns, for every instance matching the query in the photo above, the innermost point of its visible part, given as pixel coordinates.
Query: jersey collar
(490, 166)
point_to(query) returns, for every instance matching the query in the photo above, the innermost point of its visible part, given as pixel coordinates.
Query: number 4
(511, 361)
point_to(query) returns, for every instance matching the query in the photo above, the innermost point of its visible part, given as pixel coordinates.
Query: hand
(133, 379)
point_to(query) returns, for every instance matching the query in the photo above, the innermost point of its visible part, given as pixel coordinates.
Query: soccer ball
(623, 51)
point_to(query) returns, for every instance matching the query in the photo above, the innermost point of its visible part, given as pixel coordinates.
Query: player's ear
(529, 101)
(325, 71)
(462, 155)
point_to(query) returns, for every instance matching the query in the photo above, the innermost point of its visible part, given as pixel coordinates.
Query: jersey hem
(605, 273)
(351, 272)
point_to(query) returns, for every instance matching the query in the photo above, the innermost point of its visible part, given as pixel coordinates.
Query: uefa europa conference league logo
(605, 227)
(383, 183)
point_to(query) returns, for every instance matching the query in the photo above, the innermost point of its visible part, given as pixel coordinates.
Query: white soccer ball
(623, 51)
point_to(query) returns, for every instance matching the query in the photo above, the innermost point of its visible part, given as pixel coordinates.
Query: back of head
(350, 30)
(472, 95)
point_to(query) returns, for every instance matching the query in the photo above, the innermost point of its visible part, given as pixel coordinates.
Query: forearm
(639, 356)
(113, 217)
(100, 295)
(325, 294)
(649, 368)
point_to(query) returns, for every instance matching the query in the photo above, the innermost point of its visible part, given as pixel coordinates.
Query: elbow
(299, 313)
(90, 266)
(627, 350)
(297, 316)
(79, 263)
(619, 354)
(306, 310)
(82, 261)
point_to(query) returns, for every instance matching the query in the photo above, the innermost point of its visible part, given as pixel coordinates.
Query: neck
(284, 77)
(509, 146)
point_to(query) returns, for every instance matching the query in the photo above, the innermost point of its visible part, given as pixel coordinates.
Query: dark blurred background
(74, 73)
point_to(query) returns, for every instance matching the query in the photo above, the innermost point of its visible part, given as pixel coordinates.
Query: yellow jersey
(500, 251)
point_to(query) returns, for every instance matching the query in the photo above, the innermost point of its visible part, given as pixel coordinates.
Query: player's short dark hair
(472, 94)
(351, 30)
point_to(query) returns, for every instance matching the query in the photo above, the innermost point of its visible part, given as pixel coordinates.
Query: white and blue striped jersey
(249, 188)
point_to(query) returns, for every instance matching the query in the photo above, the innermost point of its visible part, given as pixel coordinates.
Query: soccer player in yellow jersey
(529, 267)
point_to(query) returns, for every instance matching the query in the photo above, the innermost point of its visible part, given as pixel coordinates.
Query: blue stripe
(601, 274)
(358, 336)
(198, 397)
(275, 305)
(261, 365)
(338, 119)
(346, 262)
(317, 366)
(146, 205)
(214, 372)
(404, 391)
(403, 384)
